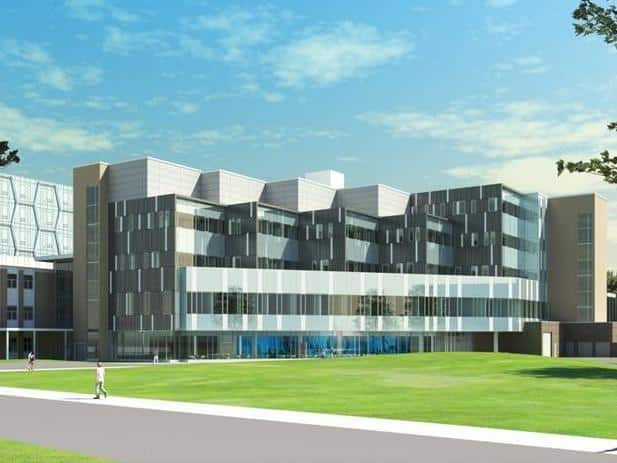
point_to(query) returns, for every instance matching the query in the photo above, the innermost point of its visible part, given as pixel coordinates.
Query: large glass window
(92, 267)
(584, 275)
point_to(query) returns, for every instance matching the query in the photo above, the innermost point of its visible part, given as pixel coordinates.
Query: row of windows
(459, 207)
(519, 212)
(144, 260)
(308, 304)
(267, 227)
(519, 243)
(27, 281)
(208, 224)
(146, 221)
(358, 233)
(11, 313)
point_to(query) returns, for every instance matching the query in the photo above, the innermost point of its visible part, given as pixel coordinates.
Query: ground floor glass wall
(188, 345)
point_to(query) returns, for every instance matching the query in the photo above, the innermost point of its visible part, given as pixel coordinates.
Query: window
(474, 270)
(459, 207)
(485, 270)
(11, 312)
(319, 231)
(28, 283)
(399, 236)
(474, 240)
(28, 314)
(493, 204)
(11, 280)
(156, 259)
(474, 206)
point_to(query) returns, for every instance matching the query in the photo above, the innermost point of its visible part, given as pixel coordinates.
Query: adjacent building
(36, 248)
(184, 263)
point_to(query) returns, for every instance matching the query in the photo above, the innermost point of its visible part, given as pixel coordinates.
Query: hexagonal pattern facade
(36, 218)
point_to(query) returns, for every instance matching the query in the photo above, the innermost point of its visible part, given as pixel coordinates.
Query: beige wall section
(84, 177)
(562, 255)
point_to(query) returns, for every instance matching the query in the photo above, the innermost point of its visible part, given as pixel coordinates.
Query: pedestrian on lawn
(30, 365)
(100, 381)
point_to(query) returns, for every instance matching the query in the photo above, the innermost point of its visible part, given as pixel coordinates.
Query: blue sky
(415, 94)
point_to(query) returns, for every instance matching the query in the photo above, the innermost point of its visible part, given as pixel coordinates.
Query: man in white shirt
(100, 381)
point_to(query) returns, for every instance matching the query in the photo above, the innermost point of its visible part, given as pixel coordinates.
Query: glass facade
(92, 267)
(36, 218)
(584, 270)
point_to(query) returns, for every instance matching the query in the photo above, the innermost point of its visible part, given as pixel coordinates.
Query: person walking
(30, 365)
(155, 360)
(100, 381)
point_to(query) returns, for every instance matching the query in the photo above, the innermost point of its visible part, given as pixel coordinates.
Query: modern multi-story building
(184, 263)
(36, 247)
(36, 218)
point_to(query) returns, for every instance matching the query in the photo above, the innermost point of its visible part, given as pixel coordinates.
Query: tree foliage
(7, 155)
(592, 19)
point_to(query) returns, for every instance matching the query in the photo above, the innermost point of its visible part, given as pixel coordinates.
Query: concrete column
(194, 346)
(495, 342)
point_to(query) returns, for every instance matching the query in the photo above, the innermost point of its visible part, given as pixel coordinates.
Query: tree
(611, 281)
(592, 19)
(7, 155)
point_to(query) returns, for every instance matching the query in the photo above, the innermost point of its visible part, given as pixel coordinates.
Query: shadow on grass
(571, 373)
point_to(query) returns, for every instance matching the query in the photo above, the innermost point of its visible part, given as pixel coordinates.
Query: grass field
(16, 452)
(530, 393)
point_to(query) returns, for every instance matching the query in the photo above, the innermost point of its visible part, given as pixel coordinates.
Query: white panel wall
(283, 194)
(127, 180)
(391, 201)
(363, 199)
(229, 188)
(314, 196)
(168, 178)
(299, 195)
(375, 200)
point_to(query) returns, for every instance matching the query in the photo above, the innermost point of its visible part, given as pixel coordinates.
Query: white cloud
(97, 10)
(531, 174)
(348, 158)
(505, 30)
(102, 103)
(90, 75)
(195, 48)
(55, 77)
(186, 107)
(515, 129)
(324, 57)
(239, 30)
(33, 57)
(523, 65)
(500, 3)
(48, 135)
(124, 42)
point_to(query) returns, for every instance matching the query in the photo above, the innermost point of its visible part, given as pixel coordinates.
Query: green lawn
(16, 452)
(495, 390)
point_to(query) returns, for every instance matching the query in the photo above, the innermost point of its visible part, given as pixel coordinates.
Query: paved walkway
(8, 366)
(140, 430)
